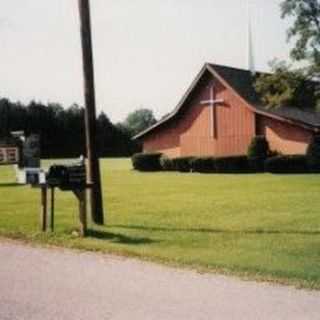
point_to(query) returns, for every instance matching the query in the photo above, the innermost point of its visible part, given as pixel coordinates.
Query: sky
(147, 52)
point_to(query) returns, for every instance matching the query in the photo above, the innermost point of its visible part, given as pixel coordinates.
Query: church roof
(242, 83)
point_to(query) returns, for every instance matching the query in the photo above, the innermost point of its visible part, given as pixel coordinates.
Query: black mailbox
(67, 177)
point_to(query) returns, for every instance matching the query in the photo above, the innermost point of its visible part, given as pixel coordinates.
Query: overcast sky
(147, 52)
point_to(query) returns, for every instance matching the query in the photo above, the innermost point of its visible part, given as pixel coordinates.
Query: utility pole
(90, 114)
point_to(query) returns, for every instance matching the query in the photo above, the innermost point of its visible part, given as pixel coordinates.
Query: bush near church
(258, 152)
(313, 154)
(234, 164)
(166, 164)
(203, 164)
(182, 164)
(146, 161)
(287, 164)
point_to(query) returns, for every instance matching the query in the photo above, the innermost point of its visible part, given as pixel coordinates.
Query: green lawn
(261, 226)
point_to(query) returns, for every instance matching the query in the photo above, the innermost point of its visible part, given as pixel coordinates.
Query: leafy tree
(139, 120)
(286, 87)
(104, 134)
(4, 120)
(305, 30)
(127, 146)
(296, 87)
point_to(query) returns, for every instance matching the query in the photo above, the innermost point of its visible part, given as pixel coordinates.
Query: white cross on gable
(211, 103)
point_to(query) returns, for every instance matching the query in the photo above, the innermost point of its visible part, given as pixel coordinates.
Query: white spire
(250, 53)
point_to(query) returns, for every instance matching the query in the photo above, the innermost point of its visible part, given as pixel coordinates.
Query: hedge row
(146, 161)
(157, 162)
(235, 164)
(258, 159)
(287, 164)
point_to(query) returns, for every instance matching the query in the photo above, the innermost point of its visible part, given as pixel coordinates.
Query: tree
(286, 85)
(305, 30)
(139, 120)
(126, 146)
(4, 119)
(62, 129)
(105, 136)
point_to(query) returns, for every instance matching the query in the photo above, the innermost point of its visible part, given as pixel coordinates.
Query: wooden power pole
(90, 114)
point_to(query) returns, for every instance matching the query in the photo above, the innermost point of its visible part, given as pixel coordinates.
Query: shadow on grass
(118, 238)
(9, 185)
(208, 230)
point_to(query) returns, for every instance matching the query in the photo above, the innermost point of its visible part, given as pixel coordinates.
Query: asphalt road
(41, 284)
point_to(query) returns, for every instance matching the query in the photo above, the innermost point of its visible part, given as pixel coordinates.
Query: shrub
(146, 161)
(274, 153)
(182, 164)
(235, 164)
(287, 164)
(313, 154)
(258, 151)
(203, 165)
(166, 163)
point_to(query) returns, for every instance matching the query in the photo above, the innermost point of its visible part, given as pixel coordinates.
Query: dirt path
(38, 283)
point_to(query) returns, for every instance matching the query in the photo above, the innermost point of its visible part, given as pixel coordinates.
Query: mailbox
(67, 177)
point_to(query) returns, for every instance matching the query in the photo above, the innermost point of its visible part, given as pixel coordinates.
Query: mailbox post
(66, 178)
(44, 205)
(82, 198)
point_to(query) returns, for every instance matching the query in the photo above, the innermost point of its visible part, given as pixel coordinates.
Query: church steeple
(250, 47)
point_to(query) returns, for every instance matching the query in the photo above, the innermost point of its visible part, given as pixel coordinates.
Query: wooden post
(52, 210)
(44, 208)
(90, 114)
(83, 213)
(81, 196)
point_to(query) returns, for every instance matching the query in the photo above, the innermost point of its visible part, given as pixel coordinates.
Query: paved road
(38, 283)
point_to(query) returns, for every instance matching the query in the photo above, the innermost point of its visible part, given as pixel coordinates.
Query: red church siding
(166, 141)
(284, 137)
(189, 134)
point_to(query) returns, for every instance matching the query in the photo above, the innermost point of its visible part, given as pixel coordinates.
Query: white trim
(212, 102)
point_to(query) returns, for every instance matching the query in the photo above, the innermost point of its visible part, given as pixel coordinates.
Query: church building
(220, 114)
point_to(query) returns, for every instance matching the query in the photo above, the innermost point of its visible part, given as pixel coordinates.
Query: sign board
(32, 176)
(31, 152)
(9, 155)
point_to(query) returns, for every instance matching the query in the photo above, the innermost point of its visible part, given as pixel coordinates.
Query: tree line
(62, 130)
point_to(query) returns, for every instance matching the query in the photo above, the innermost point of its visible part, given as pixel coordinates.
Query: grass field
(259, 226)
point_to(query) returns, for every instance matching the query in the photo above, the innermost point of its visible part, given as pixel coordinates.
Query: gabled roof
(241, 82)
